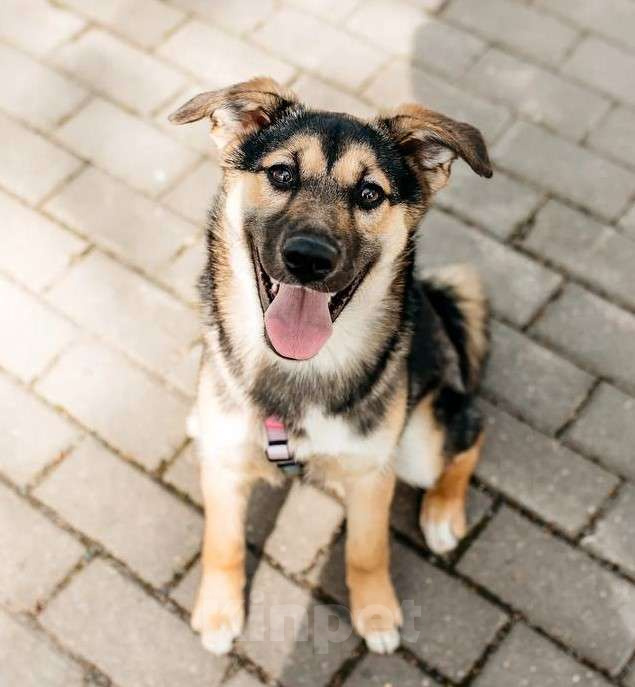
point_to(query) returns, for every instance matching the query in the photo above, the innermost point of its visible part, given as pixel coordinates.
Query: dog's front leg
(374, 607)
(219, 611)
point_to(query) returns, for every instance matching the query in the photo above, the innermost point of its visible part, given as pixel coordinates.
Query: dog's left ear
(237, 110)
(432, 141)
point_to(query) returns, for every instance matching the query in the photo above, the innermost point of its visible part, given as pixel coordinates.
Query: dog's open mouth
(298, 320)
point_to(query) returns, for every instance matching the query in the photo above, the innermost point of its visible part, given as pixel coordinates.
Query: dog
(324, 349)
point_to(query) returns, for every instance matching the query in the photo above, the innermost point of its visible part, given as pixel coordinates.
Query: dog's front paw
(218, 615)
(443, 522)
(376, 614)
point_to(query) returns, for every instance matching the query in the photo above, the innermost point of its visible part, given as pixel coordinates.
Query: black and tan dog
(322, 346)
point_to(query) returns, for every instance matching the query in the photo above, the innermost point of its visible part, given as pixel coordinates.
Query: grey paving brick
(559, 588)
(400, 82)
(290, 635)
(113, 67)
(613, 18)
(28, 659)
(499, 206)
(525, 658)
(23, 451)
(110, 621)
(407, 31)
(37, 555)
(612, 537)
(184, 473)
(139, 522)
(543, 387)
(536, 34)
(332, 10)
(382, 671)
(119, 305)
(105, 211)
(560, 486)
(125, 146)
(324, 96)
(238, 16)
(32, 166)
(605, 429)
(593, 331)
(605, 67)
(182, 273)
(193, 195)
(338, 56)
(34, 249)
(592, 252)
(127, 407)
(40, 96)
(537, 93)
(32, 334)
(243, 679)
(219, 59)
(516, 286)
(627, 223)
(615, 135)
(547, 160)
(183, 371)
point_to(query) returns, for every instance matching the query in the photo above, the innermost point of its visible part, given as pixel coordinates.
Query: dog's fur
(391, 391)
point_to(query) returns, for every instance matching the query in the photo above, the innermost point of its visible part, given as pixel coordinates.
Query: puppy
(323, 349)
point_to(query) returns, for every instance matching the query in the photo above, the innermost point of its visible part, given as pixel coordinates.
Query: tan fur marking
(309, 151)
(353, 161)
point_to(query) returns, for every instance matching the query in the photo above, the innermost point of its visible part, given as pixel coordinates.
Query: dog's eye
(281, 176)
(369, 196)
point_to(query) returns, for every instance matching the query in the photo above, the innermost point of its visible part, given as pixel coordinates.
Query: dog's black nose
(310, 257)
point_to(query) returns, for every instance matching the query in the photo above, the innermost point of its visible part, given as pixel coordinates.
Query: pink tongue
(298, 321)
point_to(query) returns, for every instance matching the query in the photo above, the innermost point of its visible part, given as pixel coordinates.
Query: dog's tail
(457, 296)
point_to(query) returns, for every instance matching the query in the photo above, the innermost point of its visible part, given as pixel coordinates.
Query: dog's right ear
(237, 111)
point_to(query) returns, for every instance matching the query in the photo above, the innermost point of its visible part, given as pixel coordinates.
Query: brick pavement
(102, 206)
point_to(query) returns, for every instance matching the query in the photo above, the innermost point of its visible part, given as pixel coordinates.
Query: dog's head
(325, 195)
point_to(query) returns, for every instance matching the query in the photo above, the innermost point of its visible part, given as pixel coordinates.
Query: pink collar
(277, 450)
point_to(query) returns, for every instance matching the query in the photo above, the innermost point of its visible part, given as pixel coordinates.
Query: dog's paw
(383, 642)
(377, 616)
(442, 522)
(218, 618)
(192, 425)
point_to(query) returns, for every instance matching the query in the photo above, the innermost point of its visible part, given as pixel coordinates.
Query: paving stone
(499, 206)
(132, 517)
(323, 96)
(36, 25)
(407, 31)
(535, 382)
(31, 565)
(121, 220)
(243, 679)
(332, 10)
(144, 22)
(183, 371)
(125, 146)
(537, 93)
(129, 409)
(305, 524)
(562, 487)
(516, 286)
(627, 223)
(592, 331)
(40, 96)
(31, 167)
(525, 658)
(406, 505)
(239, 16)
(615, 135)
(547, 160)
(605, 429)
(612, 537)
(32, 333)
(24, 452)
(296, 640)
(605, 67)
(111, 622)
(613, 18)
(337, 55)
(192, 197)
(183, 272)
(125, 74)
(400, 82)
(559, 588)
(28, 659)
(34, 250)
(184, 473)
(219, 59)
(383, 671)
(592, 252)
(541, 37)
(132, 314)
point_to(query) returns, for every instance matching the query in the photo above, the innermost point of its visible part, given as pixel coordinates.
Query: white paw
(192, 426)
(219, 641)
(383, 641)
(439, 535)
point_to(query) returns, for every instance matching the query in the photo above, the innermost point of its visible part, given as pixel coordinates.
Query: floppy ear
(433, 141)
(237, 110)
